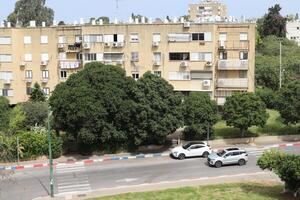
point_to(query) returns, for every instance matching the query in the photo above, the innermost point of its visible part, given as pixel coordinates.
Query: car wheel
(218, 164)
(181, 156)
(205, 154)
(242, 162)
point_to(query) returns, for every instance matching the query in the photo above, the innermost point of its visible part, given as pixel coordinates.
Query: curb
(115, 158)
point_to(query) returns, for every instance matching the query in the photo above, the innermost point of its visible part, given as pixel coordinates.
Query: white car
(191, 149)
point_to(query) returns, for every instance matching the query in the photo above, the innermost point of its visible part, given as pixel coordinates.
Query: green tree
(268, 96)
(61, 23)
(4, 114)
(17, 119)
(161, 112)
(27, 10)
(243, 110)
(104, 19)
(200, 114)
(273, 23)
(37, 94)
(139, 17)
(36, 113)
(289, 102)
(94, 104)
(286, 166)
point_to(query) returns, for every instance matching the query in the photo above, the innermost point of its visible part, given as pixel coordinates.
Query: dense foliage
(289, 102)
(4, 114)
(286, 166)
(243, 110)
(36, 113)
(268, 96)
(200, 114)
(37, 94)
(101, 107)
(27, 10)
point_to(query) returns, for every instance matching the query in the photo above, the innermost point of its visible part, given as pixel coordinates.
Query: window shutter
(208, 57)
(194, 56)
(44, 39)
(45, 57)
(156, 37)
(99, 57)
(28, 57)
(120, 38)
(207, 36)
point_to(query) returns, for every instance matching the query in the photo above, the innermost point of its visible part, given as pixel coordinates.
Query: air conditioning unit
(7, 81)
(44, 63)
(118, 44)
(206, 83)
(156, 63)
(184, 64)
(45, 80)
(60, 46)
(107, 44)
(22, 64)
(86, 45)
(187, 24)
(155, 44)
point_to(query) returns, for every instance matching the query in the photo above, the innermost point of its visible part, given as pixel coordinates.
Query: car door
(196, 150)
(228, 158)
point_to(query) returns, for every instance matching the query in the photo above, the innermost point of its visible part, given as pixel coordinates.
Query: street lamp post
(50, 156)
(280, 65)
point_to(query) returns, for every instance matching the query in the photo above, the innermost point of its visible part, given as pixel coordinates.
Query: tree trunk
(242, 132)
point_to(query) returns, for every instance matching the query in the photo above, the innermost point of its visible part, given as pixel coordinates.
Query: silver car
(228, 157)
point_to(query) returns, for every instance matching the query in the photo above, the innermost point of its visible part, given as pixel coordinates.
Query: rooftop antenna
(117, 8)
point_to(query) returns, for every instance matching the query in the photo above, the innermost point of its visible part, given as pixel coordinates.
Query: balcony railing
(69, 64)
(236, 44)
(233, 65)
(233, 83)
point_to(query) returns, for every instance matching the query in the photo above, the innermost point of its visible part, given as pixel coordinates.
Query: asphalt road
(33, 183)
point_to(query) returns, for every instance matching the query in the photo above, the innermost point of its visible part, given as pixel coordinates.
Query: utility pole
(280, 65)
(50, 156)
(18, 149)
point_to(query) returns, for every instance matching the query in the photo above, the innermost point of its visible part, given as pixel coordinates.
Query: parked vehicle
(191, 149)
(227, 157)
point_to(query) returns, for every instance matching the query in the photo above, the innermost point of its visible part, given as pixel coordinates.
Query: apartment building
(293, 31)
(208, 9)
(217, 58)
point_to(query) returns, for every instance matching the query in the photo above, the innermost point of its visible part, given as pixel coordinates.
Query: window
(5, 40)
(223, 55)
(179, 76)
(156, 37)
(201, 75)
(135, 75)
(28, 57)
(90, 56)
(242, 74)
(175, 37)
(28, 74)
(46, 91)
(93, 38)
(134, 56)
(201, 56)
(45, 74)
(61, 39)
(6, 75)
(157, 57)
(202, 36)
(44, 39)
(243, 55)
(44, 57)
(79, 56)
(223, 36)
(157, 73)
(7, 93)
(112, 57)
(134, 37)
(63, 74)
(28, 90)
(243, 36)
(5, 58)
(179, 56)
(62, 55)
(78, 39)
(108, 38)
(27, 39)
(120, 38)
(223, 74)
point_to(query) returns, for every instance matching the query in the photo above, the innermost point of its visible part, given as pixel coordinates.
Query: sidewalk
(63, 160)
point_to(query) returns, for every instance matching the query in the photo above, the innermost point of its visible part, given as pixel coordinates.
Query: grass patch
(238, 191)
(274, 126)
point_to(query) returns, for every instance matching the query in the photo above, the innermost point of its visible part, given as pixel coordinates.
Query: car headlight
(175, 153)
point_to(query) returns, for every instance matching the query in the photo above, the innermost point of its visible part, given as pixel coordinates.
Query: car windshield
(221, 153)
(187, 145)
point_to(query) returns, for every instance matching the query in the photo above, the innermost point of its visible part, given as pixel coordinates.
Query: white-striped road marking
(70, 181)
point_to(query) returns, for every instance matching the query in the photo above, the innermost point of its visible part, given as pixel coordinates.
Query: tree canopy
(289, 102)
(37, 94)
(27, 10)
(4, 114)
(200, 114)
(243, 110)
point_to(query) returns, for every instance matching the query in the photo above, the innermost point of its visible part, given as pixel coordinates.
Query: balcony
(69, 64)
(234, 45)
(74, 47)
(233, 65)
(233, 83)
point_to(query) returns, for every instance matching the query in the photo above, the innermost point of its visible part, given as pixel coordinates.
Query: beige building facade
(217, 58)
(208, 9)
